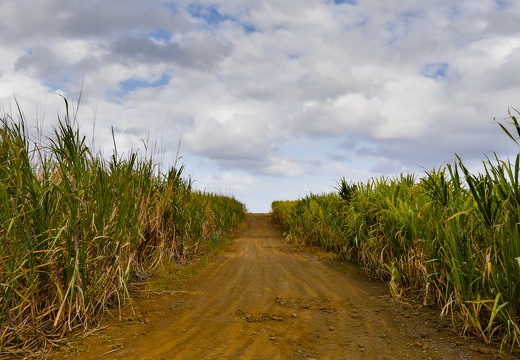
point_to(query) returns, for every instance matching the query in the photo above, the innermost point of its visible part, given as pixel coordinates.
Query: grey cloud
(319, 121)
(63, 19)
(496, 76)
(318, 73)
(321, 88)
(135, 130)
(239, 142)
(259, 93)
(41, 60)
(336, 117)
(43, 63)
(397, 155)
(200, 52)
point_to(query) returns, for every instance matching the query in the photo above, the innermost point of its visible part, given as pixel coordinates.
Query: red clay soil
(265, 299)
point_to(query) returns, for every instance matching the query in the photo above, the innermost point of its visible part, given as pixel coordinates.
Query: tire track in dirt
(265, 299)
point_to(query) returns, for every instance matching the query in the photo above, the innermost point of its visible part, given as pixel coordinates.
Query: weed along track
(264, 299)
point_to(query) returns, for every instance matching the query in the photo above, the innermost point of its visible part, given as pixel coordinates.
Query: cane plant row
(449, 239)
(77, 228)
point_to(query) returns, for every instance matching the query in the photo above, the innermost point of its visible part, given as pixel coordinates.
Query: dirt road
(264, 299)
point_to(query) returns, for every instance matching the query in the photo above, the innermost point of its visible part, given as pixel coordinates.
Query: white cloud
(238, 142)
(277, 93)
(336, 117)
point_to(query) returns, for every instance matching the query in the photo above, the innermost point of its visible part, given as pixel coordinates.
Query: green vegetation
(450, 239)
(77, 228)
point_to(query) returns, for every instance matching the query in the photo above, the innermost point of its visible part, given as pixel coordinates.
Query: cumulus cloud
(336, 117)
(275, 92)
(240, 142)
(202, 52)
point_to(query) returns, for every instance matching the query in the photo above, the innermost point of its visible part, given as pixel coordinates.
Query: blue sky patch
(209, 14)
(213, 17)
(341, 2)
(435, 70)
(351, 2)
(62, 84)
(160, 34)
(132, 84)
(248, 28)
(401, 26)
(174, 8)
(502, 5)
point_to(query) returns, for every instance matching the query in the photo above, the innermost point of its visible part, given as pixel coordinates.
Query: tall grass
(76, 228)
(450, 239)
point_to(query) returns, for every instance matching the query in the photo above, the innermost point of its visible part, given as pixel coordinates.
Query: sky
(271, 100)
